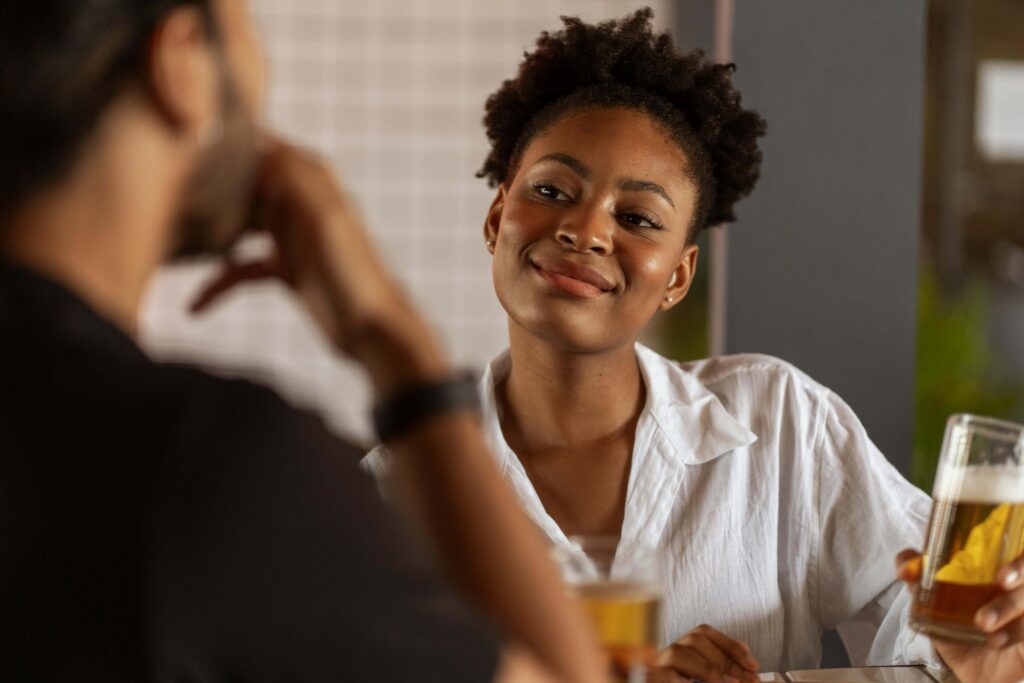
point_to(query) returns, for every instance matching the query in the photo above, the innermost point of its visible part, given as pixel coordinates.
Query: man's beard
(215, 206)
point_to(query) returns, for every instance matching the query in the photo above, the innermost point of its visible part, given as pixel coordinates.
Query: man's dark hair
(623, 63)
(62, 63)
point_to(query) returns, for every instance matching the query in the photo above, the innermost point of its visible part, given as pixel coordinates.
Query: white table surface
(874, 674)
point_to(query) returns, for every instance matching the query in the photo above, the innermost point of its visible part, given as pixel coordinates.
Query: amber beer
(627, 618)
(976, 528)
(620, 593)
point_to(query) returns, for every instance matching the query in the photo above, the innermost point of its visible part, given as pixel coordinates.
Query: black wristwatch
(398, 414)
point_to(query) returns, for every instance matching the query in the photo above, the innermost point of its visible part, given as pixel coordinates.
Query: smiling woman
(771, 514)
(603, 222)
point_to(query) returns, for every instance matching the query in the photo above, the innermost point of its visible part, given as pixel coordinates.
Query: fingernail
(987, 618)
(1011, 578)
(999, 639)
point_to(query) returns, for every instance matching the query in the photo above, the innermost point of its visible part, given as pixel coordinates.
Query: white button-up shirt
(772, 514)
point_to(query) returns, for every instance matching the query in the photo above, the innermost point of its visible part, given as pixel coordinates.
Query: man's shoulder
(238, 413)
(197, 386)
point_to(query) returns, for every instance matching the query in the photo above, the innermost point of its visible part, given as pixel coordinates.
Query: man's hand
(707, 655)
(322, 252)
(1001, 659)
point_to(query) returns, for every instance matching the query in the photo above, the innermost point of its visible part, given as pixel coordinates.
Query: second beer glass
(977, 525)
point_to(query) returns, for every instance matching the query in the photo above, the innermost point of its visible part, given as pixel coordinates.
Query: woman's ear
(682, 277)
(493, 220)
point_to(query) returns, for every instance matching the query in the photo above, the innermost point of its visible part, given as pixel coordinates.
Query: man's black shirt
(157, 523)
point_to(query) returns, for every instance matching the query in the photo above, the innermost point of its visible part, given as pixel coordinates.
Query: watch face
(398, 414)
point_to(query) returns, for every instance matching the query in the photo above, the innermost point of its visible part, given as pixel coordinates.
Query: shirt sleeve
(867, 514)
(278, 561)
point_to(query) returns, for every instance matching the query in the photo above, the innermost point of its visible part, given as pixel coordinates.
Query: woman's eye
(639, 220)
(550, 191)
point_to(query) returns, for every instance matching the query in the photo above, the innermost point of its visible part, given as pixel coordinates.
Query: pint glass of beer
(621, 596)
(977, 525)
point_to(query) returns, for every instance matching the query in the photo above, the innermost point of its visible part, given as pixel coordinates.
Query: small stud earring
(668, 299)
(490, 245)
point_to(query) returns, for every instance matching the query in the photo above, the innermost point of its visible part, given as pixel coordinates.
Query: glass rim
(968, 419)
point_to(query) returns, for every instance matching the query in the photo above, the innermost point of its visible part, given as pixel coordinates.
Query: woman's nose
(586, 233)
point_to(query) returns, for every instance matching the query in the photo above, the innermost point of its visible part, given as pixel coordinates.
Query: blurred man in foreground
(160, 524)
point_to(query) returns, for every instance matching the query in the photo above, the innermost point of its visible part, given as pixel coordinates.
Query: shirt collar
(693, 418)
(31, 300)
(697, 426)
(496, 371)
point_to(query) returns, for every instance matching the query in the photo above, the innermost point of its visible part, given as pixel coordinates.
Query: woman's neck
(568, 399)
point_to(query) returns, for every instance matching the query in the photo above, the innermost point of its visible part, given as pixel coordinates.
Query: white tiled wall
(392, 92)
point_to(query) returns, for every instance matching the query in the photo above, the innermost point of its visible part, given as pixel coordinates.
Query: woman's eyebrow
(635, 185)
(572, 162)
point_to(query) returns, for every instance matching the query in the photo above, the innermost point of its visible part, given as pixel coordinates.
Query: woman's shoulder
(765, 394)
(747, 366)
(748, 373)
(772, 393)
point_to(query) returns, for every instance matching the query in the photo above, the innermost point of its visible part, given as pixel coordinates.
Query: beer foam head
(981, 484)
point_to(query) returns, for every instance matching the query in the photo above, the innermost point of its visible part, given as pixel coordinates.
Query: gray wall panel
(823, 262)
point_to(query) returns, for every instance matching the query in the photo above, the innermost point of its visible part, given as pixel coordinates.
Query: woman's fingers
(231, 276)
(715, 657)
(1012, 635)
(709, 655)
(908, 566)
(687, 661)
(1001, 612)
(663, 674)
(729, 670)
(737, 650)
(1011, 576)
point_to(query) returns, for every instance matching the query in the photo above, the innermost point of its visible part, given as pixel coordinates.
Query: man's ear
(682, 277)
(184, 76)
(493, 220)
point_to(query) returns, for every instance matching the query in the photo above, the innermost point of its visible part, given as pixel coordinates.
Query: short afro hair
(623, 63)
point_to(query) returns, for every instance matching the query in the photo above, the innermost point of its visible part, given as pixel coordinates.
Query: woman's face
(590, 236)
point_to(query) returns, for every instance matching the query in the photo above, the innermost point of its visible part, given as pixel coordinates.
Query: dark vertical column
(823, 262)
(694, 24)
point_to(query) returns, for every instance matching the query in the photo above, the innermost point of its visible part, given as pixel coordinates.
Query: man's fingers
(230, 277)
(735, 649)
(908, 566)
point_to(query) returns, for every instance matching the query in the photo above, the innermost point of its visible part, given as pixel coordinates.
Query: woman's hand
(322, 252)
(707, 655)
(1001, 659)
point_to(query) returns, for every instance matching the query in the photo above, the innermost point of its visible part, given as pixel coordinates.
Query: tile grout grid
(391, 92)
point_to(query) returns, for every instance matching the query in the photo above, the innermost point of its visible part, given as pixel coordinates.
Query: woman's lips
(572, 278)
